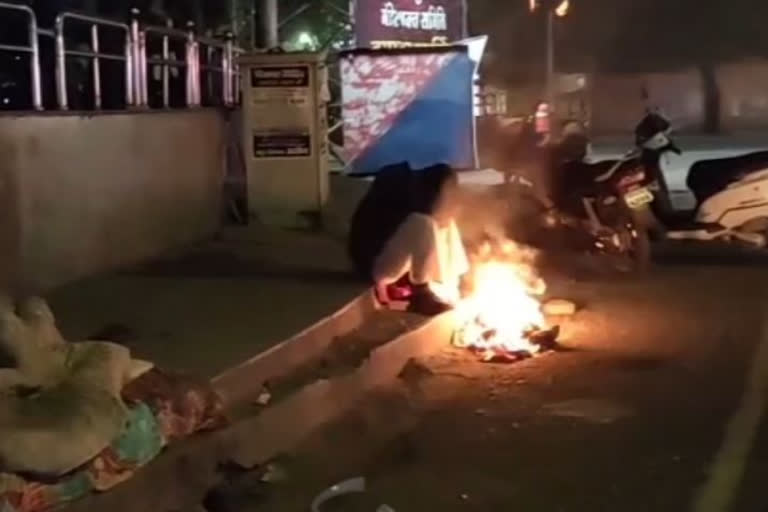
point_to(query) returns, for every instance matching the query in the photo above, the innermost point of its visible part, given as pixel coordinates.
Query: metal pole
(551, 58)
(190, 99)
(143, 69)
(210, 52)
(198, 75)
(270, 23)
(193, 67)
(129, 72)
(550, 54)
(165, 68)
(234, 21)
(138, 96)
(228, 76)
(252, 25)
(235, 78)
(464, 19)
(61, 66)
(96, 67)
(37, 91)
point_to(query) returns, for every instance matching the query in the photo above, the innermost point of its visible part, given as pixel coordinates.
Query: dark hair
(385, 206)
(431, 183)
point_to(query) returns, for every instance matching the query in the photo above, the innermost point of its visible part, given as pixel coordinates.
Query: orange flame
(502, 308)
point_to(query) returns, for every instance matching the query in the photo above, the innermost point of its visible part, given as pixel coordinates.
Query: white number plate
(638, 197)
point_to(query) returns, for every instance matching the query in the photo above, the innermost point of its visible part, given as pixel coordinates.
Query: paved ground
(215, 305)
(656, 406)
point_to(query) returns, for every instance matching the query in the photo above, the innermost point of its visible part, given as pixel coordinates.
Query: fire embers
(490, 345)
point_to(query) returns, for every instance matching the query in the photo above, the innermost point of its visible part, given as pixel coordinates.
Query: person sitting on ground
(423, 248)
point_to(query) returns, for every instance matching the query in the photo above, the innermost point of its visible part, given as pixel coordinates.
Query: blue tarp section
(437, 127)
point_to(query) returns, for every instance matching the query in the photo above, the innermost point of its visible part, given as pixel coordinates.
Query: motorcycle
(597, 202)
(731, 193)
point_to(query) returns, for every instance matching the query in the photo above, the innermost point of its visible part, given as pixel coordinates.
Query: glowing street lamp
(305, 41)
(562, 9)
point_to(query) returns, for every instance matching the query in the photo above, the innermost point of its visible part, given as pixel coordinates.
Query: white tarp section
(476, 49)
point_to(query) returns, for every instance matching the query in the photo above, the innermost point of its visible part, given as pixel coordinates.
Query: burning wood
(501, 320)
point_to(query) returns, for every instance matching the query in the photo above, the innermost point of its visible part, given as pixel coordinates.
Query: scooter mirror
(672, 147)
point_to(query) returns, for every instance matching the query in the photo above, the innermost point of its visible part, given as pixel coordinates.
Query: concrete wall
(84, 195)
(618, 101)
(743, 95)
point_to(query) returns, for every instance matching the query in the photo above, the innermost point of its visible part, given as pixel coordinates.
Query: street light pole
(234, 19)
(270, 23)
(552, 9)
(550, 45)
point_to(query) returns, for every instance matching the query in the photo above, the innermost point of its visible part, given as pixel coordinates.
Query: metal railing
(219, 67)
(225, 54)
(95, 55)
(167, 61)
(236, 74)
(32, 48)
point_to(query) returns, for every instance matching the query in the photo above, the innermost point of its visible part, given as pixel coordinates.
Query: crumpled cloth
(164, 407)
(140, 442)
(183, 405)
(52, 429)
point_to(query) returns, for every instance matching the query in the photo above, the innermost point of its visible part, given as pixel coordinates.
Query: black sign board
(281, 145)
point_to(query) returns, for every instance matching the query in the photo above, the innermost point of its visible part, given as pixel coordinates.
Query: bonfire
(501, 319)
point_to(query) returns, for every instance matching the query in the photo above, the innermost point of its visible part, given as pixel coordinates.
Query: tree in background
(321, 24)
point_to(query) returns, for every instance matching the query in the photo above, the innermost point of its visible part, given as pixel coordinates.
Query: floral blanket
(163, 407)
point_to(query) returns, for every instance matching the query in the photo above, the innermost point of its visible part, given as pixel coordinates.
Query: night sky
(622, 35)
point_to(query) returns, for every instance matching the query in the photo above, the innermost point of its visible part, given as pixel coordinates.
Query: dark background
(597, 35)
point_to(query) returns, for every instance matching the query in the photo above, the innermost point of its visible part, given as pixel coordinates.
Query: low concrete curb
(283, 426)
(236, 385)
(179, 479)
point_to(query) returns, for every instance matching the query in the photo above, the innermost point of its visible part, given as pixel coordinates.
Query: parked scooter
(731, 193)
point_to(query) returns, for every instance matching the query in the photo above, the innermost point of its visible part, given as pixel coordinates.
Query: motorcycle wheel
(632, 245)
(639, 250)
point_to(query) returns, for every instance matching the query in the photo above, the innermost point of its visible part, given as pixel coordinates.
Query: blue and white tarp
(411, 105)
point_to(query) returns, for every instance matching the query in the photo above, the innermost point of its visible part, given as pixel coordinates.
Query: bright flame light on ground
(502, 310)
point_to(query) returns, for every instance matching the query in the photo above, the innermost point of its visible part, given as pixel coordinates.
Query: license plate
(638, 197)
